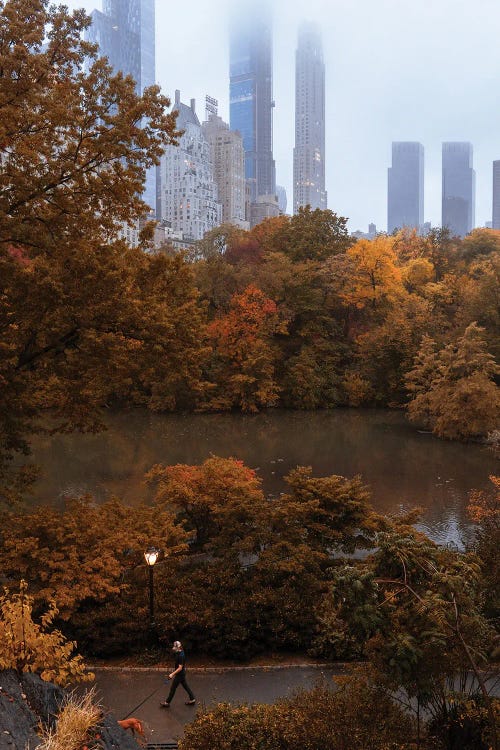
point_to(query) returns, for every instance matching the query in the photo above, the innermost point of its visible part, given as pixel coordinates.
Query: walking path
(122, 690)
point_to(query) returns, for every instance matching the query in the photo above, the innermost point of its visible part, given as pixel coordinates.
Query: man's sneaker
(165, 704)
(191, 702)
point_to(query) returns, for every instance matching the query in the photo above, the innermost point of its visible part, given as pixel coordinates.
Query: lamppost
(151, 556)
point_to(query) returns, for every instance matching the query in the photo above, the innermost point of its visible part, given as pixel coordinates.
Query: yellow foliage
(417, 273)
(27, 646)
(376, 277)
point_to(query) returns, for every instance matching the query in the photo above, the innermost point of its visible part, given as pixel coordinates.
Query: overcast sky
(396, 70)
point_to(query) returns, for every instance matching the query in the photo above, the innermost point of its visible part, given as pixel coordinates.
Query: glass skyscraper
(251, 97)
(309, 151)
(459, 188)
(405, 193)
(125, 33)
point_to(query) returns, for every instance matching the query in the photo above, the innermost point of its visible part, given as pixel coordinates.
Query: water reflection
(403, 467)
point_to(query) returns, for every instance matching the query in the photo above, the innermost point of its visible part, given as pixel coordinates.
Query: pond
(402, 466)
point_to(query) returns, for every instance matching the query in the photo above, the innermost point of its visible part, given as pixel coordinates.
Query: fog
(395, 70)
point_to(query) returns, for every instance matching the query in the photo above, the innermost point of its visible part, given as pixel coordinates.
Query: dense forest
(292, 314)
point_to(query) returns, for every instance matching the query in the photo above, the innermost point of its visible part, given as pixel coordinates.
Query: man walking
(178, 677)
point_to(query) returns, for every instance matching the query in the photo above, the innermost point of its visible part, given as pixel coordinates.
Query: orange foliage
(266, 232)
(243, 361)
(486, 506)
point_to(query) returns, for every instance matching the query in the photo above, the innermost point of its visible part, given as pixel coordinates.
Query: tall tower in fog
(125, 33)
(251, 96)
(496, 195)
(309, 151)
(405, 186)
(459, 188)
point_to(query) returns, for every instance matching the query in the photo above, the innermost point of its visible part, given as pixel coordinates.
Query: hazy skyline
(395, 71)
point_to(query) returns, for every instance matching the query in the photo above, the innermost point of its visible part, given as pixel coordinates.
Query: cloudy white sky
(423, 71)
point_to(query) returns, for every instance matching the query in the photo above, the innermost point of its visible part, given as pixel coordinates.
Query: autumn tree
(480, 243)
(28, 646)
(479, 297)
(221, 502)
(385, 351)
(484, 511)
(267, 233)
(376, 278)
(441, 250)
(74, 144)
(242, 365)
(80, 555)
(452, 390)
(74, 148)
(414, 610)
(217, 241)
(95, 329)
(268, 559)
(307, 235)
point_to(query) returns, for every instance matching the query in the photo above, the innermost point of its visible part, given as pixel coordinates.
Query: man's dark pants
(179, 679)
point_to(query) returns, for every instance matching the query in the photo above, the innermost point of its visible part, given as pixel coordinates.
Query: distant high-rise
(282, 199)
(188, 195)
(228, 159)
(251, 96)
(405, 187)
(496, 195)
(265, 207)
(309, 151)
(125, 33)
(459, 188)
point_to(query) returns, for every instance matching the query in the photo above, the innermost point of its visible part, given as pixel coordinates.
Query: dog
(135, 725)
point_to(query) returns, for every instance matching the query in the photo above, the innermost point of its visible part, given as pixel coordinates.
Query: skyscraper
(228, 159)
(309, 151)
(282, 199)
(251, 96)
(459, 188)
(405, 186)
(496, 195)
(189, 200)
(125, 33)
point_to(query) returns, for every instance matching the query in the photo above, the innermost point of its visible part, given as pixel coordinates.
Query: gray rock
(27, 700)
(44, 698)
(17, 722)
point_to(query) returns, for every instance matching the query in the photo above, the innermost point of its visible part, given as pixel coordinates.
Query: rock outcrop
(26, 701)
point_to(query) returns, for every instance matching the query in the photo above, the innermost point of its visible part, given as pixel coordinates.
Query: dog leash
(141, 703)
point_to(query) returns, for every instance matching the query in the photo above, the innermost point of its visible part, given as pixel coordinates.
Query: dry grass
(77, 717)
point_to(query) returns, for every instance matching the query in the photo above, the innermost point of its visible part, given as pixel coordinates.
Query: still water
(402, 466)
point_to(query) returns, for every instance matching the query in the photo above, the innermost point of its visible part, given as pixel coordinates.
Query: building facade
(228, 159)
(251, 96)
(309, 151)
(265, 207)
(125, 34)
(495, 223)
(458, 188)
(188, 192)
(405, 187)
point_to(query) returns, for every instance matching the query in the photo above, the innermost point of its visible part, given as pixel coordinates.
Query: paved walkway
(122, 690)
